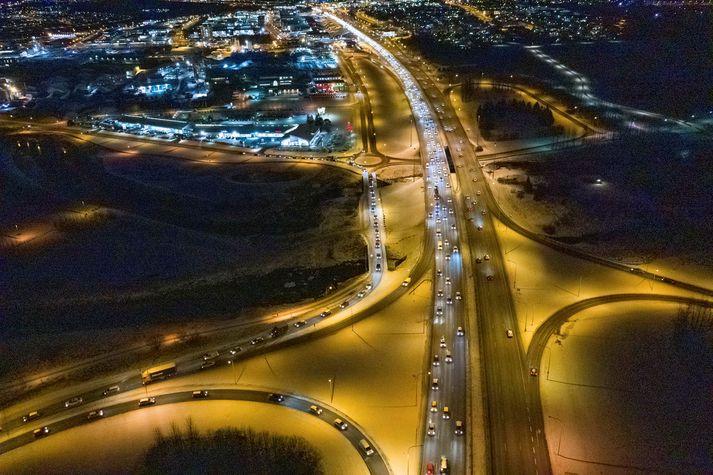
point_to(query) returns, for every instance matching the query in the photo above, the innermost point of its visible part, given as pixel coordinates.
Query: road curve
(375, 463)
(554, 321)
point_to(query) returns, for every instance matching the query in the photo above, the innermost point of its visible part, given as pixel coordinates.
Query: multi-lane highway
(515, 444)
(459, 207)
(444, 444)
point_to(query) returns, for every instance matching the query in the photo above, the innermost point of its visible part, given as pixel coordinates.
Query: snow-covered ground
(618, 399)
(404, 213)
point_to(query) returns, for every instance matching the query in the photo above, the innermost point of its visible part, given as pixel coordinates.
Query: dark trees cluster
(230, 451)
(492, 115)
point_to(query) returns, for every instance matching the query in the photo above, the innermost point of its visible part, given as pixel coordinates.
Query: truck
(158, 372)
(278, 331)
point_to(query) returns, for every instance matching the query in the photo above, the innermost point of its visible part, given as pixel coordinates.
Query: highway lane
(375, 462)
(447, 384)
(515, 444)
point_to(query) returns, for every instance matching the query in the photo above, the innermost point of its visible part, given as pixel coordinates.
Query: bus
(158, 372)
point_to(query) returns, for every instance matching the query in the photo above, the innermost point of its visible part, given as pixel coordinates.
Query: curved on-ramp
(375, 462)
(554, 321)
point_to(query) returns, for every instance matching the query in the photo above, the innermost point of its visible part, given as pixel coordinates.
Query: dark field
(171, 241)
(655, 198)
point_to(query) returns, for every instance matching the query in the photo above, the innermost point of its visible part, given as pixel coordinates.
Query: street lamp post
(235, 371)
(411, 131)
(332, 382)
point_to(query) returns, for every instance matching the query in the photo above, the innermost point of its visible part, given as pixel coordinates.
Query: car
(340, 424)
(534, 372)
(446, 412)
(439, 272)
(368, 286)
(75, 401)
(449, 357)
(434, 384)
(455, 249)
(211, 355)
(458, 296)
(478, 260)
(459, 428)
(147, 401)
(486, 257)
(275, 397)
(444, 466)
(489, 277)
(436, 360)
(200, 394)
(111, 390)
(450, 211)
(431, 429)
(477, 193)
(344, 304)
(434, 406)
(460, 332)
(439, 311)
(316, 410)
(448, 281)
(443, 342)
(449, 301)
(509, 333)
(448, 257)
(95, 415)
(480, 228)
(257, 340)
(41, 432)
(483, 212)
(301, 323)
(235, 350)
(207, 364)
(31, 416)
(361, 293)
(430, 469)
(439, 293)
(327, 313)
(454, 227)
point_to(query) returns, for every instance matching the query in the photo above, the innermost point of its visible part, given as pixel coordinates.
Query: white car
(75, 401)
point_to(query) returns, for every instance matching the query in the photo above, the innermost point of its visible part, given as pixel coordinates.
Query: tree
(528, 185)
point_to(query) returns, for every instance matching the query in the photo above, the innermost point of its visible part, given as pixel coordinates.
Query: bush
(230, 451)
